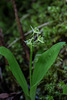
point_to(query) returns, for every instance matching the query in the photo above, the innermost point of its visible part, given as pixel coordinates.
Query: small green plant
(40, 67)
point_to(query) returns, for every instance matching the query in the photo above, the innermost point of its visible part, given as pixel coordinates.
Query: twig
(38, 28)
(22, 18)
(13, 42)
(26, 49)
(42, 25)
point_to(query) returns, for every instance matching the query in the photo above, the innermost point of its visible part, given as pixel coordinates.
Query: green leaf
(44, 63)
(15, 68)
(65, 90)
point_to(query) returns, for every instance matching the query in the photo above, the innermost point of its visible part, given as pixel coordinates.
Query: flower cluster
(36, 38)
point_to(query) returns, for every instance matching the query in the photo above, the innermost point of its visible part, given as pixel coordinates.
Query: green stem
(27, 98)
(30, 66)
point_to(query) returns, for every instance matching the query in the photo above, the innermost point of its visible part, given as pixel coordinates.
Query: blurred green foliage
(35, 13)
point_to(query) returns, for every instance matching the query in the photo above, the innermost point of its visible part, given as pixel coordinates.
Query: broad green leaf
(44, 63)
(65, 90)
(15, 68)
